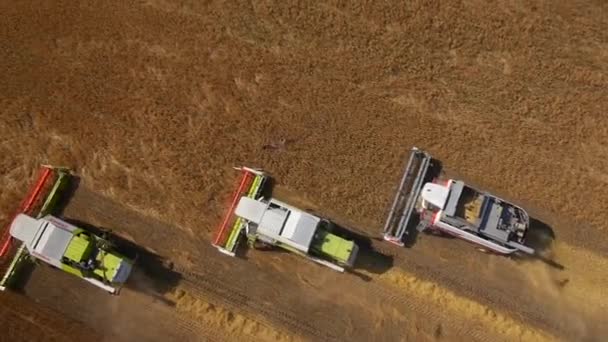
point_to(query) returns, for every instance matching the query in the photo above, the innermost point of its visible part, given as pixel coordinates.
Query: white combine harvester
(453, 207)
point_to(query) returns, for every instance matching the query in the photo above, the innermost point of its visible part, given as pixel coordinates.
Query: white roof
(250, 209)
(53, 242)
(435, 194)
(42, 236)
(273, 221)
(300, 229)
(24, 228)
(279, 221)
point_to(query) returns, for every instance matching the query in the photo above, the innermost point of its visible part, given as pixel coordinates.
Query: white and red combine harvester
(453, 207)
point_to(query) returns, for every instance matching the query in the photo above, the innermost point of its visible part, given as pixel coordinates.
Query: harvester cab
(35, 233)
(455, 208)
(270, 222)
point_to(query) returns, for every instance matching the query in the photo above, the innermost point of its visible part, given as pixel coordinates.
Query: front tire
(262, 246)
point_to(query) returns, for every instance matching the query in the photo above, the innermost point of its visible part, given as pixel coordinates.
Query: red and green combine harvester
(268, 222)
(35, 234)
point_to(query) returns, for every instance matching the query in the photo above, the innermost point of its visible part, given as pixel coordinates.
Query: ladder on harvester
(251, 185)
(406, 197)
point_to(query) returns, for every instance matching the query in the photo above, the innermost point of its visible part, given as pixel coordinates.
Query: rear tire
(434, 231)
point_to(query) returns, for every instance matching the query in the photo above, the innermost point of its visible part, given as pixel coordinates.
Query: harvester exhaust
(406, 196)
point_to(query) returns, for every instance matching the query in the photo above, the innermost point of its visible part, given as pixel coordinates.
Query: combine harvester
(453, 207)
(267, 222)
(34, 233)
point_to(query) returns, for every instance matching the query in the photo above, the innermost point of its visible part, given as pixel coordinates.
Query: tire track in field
(228, 286)
(97, 209)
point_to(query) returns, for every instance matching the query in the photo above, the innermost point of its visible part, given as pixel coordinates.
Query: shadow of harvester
(152, 275)
(540, 237)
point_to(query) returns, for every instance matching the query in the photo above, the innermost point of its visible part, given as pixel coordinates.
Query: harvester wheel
(259, 245)
(435, 232)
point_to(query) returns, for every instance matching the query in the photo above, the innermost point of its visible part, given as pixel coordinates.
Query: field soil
(153, 102)
(23, 319)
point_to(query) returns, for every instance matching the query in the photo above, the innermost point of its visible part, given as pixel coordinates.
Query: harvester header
(406, 196)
